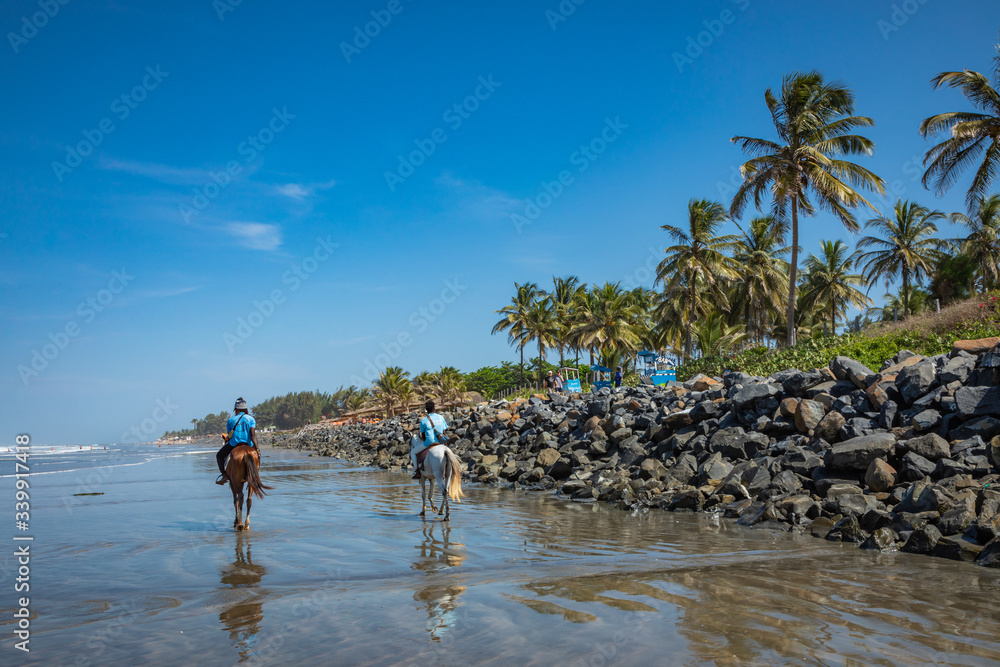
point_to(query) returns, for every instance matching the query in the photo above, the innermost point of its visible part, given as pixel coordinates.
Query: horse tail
(254, 485)
(453, 473)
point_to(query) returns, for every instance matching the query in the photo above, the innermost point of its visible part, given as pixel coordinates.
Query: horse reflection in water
(243, 605)
(441, 599)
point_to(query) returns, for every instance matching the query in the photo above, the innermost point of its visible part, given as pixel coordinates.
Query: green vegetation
(211, 424)
(928, 334)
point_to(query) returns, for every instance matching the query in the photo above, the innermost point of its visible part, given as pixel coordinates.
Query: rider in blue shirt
(244, 430)
(428, 434)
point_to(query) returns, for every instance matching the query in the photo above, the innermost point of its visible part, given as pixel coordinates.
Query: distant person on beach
(432, 427)
(618, 377)
(549, 383)
(243, 428)
(558, 381)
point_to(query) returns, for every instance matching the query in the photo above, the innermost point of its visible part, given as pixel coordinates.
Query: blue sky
(206, 200)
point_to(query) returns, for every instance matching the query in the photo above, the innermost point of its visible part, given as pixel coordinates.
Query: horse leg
(236, 503)
(239, 508)
(246, 524)
(430, 495)
(423, 497)
(445, 507)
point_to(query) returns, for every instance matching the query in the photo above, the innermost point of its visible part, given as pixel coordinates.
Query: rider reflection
(440, 600)
(243, 605)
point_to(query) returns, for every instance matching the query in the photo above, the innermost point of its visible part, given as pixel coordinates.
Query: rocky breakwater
(905, 457)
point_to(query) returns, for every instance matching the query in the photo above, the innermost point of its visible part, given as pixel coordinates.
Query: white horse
(442, 465)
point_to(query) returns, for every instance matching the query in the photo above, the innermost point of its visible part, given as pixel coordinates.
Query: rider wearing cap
(244, 432)
(431, 432)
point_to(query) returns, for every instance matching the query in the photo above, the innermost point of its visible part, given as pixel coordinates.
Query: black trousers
(221, 455)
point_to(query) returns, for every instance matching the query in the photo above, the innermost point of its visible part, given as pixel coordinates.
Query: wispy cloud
(479, 201)
(158, 172)
(256, 235)
(300, 191)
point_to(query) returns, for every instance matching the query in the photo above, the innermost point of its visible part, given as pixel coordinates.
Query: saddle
(421, 455)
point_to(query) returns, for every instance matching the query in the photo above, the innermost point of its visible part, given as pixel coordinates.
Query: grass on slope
(927, 334)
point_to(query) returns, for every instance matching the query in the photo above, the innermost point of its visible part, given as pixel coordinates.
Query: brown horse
(242, 468)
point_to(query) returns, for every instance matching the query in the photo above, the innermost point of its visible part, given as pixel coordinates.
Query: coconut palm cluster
(718, 292)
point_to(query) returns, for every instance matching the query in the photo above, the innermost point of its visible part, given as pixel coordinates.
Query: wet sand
(337, 568)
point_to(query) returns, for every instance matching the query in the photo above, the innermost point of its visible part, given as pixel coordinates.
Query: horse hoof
(422, 513)
(239, 526)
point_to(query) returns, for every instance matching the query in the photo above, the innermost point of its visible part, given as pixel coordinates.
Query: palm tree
(697, 266)
(906, 247)
(716, 337)
(828, 284)
(563, 296)
(541, 325)
(388, 387)
(666, 333)
(814, 122)
(451, 384)
(403, 393)
(954, 278)
(515, 317)
(919, 302)
(982, 245)
(611, 320)
(757, 295)
(972, 134)
(425, 384)
(356, 401)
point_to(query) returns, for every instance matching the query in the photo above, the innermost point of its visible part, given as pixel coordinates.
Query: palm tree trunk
(790, 337)
(541, 360)
(906, 291)
(522, 363)
(690, 340)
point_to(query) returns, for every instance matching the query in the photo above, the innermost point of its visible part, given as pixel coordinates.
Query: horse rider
(431, 428)
(242, 430)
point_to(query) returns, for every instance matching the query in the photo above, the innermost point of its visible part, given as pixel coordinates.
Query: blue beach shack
(600, 377)
(655, 367)
(571, 379)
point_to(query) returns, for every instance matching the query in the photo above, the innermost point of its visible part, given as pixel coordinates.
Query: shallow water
(339, 569)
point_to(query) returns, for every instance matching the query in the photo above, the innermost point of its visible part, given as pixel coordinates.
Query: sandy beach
(337, 568)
